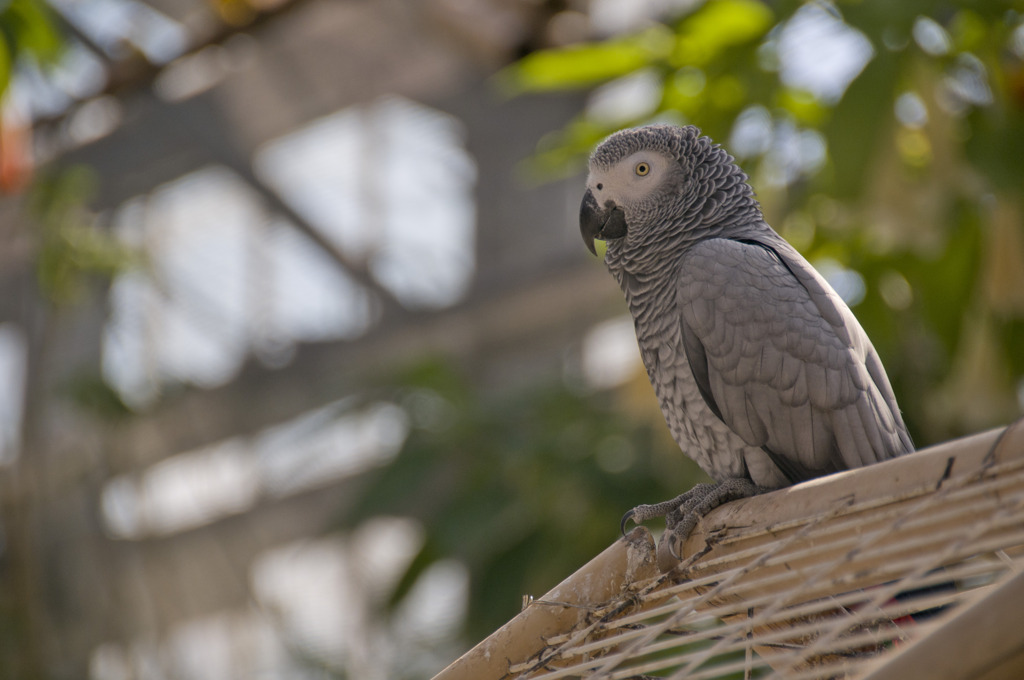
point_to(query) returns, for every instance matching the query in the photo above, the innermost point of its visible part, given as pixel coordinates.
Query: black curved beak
(603, 223)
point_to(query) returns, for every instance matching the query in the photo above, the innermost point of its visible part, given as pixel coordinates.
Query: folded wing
(782, 361)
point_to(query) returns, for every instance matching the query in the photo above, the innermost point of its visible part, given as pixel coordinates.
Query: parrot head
(616, 192)
(644, 182)
(628, 171)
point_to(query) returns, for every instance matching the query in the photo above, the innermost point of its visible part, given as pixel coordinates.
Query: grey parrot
(762, 372)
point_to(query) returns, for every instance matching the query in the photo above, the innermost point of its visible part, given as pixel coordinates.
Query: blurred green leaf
(6, 62)
(803, 106)
(92, 394)
(562, 152)
(718, 26)
(27, 25)
(968, 30)
(587, 64)
(71, 247)
(859, 127)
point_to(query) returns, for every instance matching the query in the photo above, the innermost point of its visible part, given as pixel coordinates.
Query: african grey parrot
(763, 374)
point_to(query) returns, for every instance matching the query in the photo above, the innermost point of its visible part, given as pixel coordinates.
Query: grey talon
(672, 540)
(625, 518)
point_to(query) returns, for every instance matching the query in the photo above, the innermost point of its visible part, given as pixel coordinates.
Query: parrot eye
(642, 168)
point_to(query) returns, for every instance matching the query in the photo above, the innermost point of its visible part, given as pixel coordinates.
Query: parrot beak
(595, 222)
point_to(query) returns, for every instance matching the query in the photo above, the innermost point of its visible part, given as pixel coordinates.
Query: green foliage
(71, 248)
(522, 489)
(931, 207)
(585, 65)
(698, 40)
(90, 393)
(711, 30)
(26, 31)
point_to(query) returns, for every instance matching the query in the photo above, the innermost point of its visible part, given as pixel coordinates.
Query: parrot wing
(782, 361)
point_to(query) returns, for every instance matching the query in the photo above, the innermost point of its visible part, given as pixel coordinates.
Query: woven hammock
(912, 568)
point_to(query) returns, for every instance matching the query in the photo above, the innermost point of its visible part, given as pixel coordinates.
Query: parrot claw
(684, 512)
(674, 545)
(625, 518)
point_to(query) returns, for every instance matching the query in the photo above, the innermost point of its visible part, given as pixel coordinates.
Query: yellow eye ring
(642, 168)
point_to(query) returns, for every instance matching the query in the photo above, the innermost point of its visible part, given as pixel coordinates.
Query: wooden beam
(607, 576)
(896, 480)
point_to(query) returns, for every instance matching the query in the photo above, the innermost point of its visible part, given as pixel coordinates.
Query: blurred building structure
(320, 190)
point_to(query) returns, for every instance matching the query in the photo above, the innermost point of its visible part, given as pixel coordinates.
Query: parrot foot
(684, 511)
